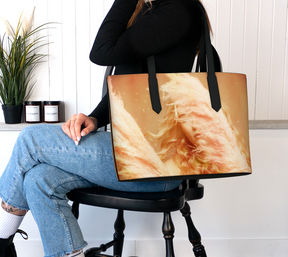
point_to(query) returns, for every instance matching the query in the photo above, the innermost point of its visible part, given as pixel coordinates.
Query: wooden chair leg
(117, 242)
(119, 227)
(193, 234)
(168, 231)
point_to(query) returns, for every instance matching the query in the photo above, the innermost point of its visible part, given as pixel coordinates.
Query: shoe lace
(23, 234)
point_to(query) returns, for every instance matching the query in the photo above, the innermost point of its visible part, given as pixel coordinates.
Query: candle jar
(52, 111)
(33, 112)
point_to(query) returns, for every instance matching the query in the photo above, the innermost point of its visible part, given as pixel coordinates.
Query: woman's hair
(139, 7)
(137, 10)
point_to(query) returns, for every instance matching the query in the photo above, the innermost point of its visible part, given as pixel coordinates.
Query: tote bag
(180, 125)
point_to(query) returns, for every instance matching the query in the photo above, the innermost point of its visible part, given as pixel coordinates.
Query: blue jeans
(45, 165)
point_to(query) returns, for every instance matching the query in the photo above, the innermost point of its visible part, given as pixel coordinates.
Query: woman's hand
(77, 122)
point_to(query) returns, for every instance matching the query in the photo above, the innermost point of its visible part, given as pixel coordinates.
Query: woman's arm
(169, 24)
(101, 112)
(154, 32)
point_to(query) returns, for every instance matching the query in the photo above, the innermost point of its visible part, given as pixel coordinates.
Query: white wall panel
(41, 90)
(96, 72)
(82, 55)
(237, 22)
(285, 93)
(250, 51)
(278, 60)
(223, 30)
(250, 36)
(55, 50)
(69, 56)
(264, 59)
(107, 5)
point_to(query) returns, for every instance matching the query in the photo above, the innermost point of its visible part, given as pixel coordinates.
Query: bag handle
(153, 85)
(206, 51)
(205, 44)
(201, 65)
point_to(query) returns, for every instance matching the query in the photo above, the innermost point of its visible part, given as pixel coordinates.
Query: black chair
(164, 202)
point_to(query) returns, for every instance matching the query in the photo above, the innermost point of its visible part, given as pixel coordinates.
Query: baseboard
(156, 248)
(218, 248)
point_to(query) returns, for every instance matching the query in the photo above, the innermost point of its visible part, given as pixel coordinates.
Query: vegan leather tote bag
(180, 125)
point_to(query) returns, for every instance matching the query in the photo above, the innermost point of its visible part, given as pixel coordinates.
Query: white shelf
(253, 124)
(268, 124)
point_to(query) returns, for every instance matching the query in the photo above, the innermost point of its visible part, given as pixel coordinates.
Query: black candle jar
(52, 111)
(33, 112)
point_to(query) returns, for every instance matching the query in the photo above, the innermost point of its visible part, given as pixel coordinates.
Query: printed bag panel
(188, 137)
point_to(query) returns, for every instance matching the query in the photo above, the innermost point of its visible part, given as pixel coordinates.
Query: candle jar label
(51, 113)
(32, 113)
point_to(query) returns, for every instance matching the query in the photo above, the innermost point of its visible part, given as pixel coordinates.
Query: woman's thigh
(92, 159)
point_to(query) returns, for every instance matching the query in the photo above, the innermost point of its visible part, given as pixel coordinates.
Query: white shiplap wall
(250, 35)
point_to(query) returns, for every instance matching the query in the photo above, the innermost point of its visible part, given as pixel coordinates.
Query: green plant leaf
(18, 61)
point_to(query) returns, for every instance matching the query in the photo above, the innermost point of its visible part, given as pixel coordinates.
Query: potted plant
(18, 59)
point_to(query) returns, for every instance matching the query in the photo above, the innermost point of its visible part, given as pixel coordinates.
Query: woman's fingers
(69, 127)
(66, 128)
(89, 126)
(73, 132)
(79, 125)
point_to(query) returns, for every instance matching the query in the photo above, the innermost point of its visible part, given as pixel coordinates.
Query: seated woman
(48, 161)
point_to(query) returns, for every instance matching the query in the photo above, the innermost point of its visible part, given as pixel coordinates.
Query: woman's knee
(39, 188)
(30, 130)
(46, 181)
(27, 134)
(38, 182)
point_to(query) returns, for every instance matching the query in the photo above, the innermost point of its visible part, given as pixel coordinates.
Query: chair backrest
(108, 72)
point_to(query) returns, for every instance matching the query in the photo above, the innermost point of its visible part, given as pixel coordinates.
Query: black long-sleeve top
(170, 31)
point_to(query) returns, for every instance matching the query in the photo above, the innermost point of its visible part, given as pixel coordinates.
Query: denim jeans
(45, 165)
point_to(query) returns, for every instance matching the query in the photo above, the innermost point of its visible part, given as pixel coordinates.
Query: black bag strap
(108, 72)
(153, 85)
(152, 80)
(206, 51)
(201, 65)
(206, 46)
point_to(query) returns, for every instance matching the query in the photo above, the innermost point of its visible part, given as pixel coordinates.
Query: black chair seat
(145, 202)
